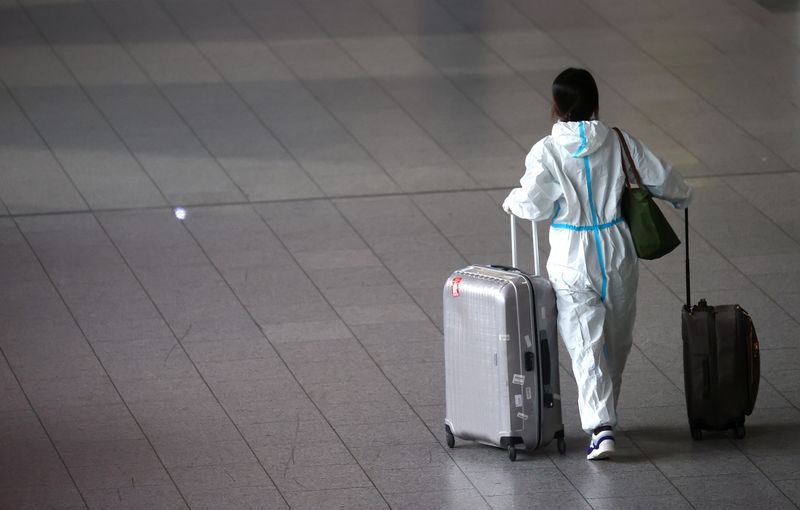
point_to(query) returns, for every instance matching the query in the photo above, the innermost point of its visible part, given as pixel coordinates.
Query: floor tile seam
(433, 491)
(751, 474)
(95, 107)
(89, 210)
(776, 16)
(680, 79)
(607, 499)
(439, 72)
(639, 348)
(781, 479)
(697, 233)
(50, 440)
(640, 111)
(456, 250)
(382, 87)
(365, 196)
(555, 491)
(280, 356)
(43, 140)
(477, 38)
(735, 443)
(772, 482)
(513, 5)
(179, 341)
(107, 374)
(634, 442)
(656, 467)
(158, 88)
(764, 215)
(366, 350)
(773, 386)
(383, 262)
(325, 107)
(720, 108)
(722, 477)
(737, 6)
(246, 104)
(269, 46)
(330, 489)
(567, 368)
(533, 491)
(744, 275)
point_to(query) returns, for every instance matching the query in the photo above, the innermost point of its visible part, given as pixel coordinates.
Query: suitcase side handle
(534, 236)
(544, 357)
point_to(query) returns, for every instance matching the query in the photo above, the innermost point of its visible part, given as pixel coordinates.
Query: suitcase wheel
(697, 434)
(451, 440)
(738, 431)
(512, 453)
(562, 446)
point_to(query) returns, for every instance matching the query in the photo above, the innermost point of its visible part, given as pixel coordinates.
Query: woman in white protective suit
(574, 178)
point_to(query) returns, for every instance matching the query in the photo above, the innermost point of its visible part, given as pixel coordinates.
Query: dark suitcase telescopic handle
(686, 244)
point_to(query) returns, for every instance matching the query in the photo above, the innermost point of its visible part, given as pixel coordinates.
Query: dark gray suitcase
(721, 363)
(501, 357)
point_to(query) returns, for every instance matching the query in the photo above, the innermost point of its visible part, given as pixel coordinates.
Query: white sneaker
(602, 446)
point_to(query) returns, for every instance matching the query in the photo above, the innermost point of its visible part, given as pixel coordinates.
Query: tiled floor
(281, 347)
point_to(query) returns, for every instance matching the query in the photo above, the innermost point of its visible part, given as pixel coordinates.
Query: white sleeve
(539, 190)
(658, 176)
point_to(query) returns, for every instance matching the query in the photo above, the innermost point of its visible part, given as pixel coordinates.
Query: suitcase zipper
(752, 358)
(538, 354)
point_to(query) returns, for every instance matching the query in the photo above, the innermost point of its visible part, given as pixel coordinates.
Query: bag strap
(627, 156)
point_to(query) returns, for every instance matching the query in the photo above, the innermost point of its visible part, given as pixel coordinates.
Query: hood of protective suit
(580, 138)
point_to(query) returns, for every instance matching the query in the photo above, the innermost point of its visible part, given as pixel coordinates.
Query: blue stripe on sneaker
(604, 438)
(596, 445)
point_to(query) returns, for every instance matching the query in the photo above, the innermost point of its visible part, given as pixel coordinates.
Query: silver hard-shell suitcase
(501, 357)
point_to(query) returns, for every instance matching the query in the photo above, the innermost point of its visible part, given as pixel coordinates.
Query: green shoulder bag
(652, 234)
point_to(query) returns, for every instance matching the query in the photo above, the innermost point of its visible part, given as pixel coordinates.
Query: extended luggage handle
(534, 236)
(686, 244)
(548, 400)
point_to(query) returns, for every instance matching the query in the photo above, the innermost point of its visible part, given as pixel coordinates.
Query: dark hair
(575, 96)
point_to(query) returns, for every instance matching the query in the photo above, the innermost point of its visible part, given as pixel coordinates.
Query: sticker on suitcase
(518, 400)
(454, 286)
(518, 379)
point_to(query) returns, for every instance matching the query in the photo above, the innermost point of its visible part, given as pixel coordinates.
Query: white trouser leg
(620, 317)
(581, 319)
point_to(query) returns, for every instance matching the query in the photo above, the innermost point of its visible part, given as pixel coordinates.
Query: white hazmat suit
(574, 178)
